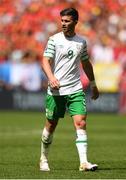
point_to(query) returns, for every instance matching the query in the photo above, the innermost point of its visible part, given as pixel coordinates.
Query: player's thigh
(55, 107)
(77, 104)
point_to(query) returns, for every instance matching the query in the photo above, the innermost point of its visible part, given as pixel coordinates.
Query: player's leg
(81, 143)
(81, 136)
(54, 110)
(77, 109)
(46, 140)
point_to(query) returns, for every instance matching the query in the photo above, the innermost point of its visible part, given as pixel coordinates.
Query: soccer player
(61, 64)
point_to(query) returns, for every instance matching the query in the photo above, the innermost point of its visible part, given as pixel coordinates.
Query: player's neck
(69, 34)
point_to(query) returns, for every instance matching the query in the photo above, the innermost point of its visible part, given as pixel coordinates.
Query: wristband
(93, 83)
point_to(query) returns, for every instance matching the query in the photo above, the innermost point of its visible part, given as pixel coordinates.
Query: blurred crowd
(25, 26)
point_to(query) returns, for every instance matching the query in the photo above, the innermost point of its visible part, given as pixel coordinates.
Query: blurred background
(25, 26)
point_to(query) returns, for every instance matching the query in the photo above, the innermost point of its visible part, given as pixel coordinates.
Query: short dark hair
(70, 12)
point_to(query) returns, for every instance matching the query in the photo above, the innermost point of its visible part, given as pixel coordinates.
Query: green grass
(20, 134)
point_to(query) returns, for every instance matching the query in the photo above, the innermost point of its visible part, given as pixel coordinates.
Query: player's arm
(46, 63)
(88, 69)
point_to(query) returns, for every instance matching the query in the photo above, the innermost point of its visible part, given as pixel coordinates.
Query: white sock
(45, 144)
(81, 143)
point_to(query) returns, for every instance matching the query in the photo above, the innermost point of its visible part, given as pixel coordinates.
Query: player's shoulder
(56, 36)
(80, 38)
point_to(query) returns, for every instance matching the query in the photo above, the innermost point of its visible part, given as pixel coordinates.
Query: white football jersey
(66, 54)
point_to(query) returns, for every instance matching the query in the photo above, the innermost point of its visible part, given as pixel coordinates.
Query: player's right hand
(54, 83)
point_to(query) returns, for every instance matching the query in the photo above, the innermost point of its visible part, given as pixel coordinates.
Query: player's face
(68, 25)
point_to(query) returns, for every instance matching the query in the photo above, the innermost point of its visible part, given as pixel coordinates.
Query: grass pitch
(20, 134)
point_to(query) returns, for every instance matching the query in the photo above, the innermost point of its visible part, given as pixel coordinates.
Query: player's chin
(65, 30)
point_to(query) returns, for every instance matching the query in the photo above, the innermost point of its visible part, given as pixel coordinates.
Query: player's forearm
(46, 67)
(88, 69)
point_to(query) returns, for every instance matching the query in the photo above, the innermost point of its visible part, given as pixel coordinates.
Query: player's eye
(65, 21)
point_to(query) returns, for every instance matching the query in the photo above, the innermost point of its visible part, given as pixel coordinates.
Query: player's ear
(76, 22)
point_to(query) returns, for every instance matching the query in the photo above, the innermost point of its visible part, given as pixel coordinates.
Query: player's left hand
(95, 93)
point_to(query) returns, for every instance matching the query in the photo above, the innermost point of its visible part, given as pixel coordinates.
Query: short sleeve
(84, 53)
(50, 49)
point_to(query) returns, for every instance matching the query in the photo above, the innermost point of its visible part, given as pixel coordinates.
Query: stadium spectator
(102, 53)
(32, 79)
(22, 21)
(5, 71)
(16, 68)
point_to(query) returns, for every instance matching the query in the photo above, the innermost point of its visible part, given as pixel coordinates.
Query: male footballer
(61, 63)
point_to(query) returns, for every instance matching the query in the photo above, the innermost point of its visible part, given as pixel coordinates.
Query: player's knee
(81, 124)
(51, 125)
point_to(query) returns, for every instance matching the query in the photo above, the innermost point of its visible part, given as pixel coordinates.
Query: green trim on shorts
(56, 105)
